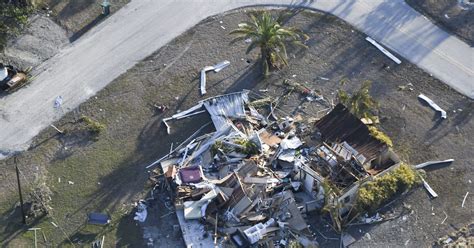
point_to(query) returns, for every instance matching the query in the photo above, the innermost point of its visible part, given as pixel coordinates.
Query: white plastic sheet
(433, 105)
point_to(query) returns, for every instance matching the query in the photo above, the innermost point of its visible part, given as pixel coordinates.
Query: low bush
(373, 194)
(381, 136)
(93, 126)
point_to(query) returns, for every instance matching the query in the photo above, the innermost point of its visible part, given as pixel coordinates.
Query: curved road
(143, 26)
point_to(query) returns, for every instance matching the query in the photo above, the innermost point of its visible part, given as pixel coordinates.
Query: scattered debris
(433, 105)
(244, 182)
(430, 163)
(11, 78)
(98, 219)
(382, 49)
(429, 189)
(57, 129)
(141, 213)
(70, 182)
(216, 68)
(58, 102)
(324, 78)
(445, 218)
(464, 200)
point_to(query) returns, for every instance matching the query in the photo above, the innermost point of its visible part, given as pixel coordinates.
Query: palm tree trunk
(266, 61)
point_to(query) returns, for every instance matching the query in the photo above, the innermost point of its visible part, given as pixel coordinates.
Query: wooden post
(19, 192)
(34, 229)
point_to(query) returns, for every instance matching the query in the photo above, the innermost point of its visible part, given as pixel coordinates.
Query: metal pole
(19, 192)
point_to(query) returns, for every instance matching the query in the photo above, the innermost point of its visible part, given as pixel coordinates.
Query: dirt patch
(109, 174)
(455, 16)
(41, 40)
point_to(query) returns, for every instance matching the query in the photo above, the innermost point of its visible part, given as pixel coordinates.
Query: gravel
(40, 41)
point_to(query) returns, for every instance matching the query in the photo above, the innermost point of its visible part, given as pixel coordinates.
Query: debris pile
(255, 178)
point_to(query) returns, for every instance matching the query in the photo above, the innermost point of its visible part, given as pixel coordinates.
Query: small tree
(267, 33)
(361, 102)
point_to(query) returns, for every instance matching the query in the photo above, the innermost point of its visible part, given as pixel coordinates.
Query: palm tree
(361, 102)
(267, 33)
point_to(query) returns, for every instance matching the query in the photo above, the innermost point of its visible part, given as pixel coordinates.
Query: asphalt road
(143, 26)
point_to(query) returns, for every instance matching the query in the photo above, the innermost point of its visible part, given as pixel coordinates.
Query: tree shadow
(454, 123)
(130, 233)
(87, 27)
(13, 226)
(456, 21)
(395, 15)
(247, 80)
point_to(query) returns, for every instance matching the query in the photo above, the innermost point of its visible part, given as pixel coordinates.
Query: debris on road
(216, 68)
(433, 105)
(58, 102)
(382, 49)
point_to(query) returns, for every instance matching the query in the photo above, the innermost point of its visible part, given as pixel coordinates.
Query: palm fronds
(265, 32)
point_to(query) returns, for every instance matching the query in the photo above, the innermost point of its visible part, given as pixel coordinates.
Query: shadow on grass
(13, 226)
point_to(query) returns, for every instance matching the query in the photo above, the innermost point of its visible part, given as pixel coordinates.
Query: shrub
(373, 194)
(93, 126)
(381, 136)
(360, 103)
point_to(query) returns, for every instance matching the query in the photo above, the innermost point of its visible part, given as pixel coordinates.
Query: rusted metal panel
(341, 125)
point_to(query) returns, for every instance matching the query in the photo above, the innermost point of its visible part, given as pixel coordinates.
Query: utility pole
(19, 191)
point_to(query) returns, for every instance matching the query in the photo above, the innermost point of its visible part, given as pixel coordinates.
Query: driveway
(143, 26)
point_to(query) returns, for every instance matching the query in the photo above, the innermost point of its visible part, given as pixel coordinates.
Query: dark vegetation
(13, 18)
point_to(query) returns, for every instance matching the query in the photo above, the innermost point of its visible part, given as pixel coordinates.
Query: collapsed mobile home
(255, 178)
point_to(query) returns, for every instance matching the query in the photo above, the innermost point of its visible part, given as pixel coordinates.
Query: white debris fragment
(425, 164)
(429, 189)
(141, 213)
(382, 49)
(216, 68)
(464, 200)
(433, 105)
(58, 102)
(70, 182)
